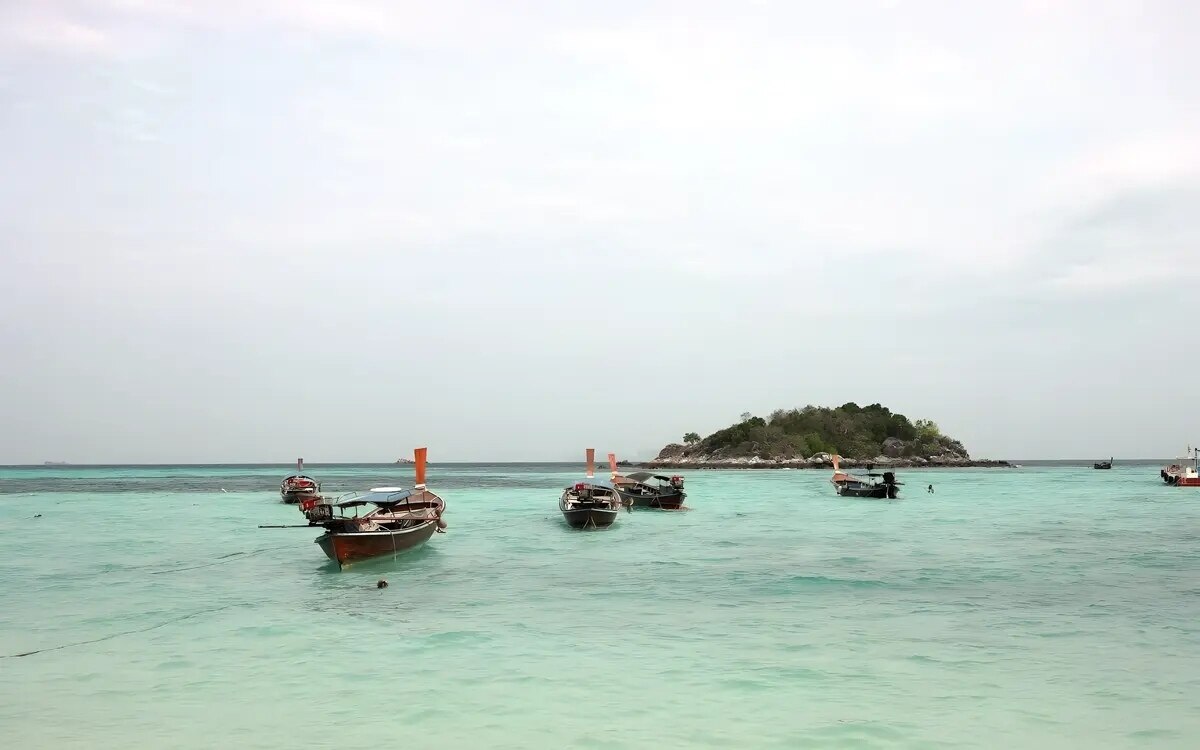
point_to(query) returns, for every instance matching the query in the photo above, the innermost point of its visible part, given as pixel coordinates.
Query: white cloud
(1119, 273)
(765, 165)
(1146, 160)
(835, 132)
(31, 28)
(709, 79)
(146, 27)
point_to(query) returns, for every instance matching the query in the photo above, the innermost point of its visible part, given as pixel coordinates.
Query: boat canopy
(645, 476)
(384, 497)
(593, 482)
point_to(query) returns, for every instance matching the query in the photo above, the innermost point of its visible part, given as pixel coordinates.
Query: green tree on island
(854, 431)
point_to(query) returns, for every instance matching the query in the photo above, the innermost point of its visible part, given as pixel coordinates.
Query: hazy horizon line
(498, 463)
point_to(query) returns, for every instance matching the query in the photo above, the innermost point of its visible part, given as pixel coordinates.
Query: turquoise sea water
(1033, 608)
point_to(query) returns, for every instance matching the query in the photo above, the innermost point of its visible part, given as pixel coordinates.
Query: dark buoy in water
(382, 584)
(931, 489)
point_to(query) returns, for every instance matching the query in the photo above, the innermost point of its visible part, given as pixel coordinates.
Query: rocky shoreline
(845, 463)
(944, 453)
(675, 457)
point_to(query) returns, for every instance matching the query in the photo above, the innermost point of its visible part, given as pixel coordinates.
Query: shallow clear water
(1035, 607)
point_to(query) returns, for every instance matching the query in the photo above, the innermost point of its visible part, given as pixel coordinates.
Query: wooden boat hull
(1185, 471)
(1177, 477)
(1101, 466)
(296, 496)
(661, 501)
(876, 491)
(349, 548)
(590, 518)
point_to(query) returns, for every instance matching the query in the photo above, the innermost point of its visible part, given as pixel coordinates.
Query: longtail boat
(590, 504)
(400, 519)
(1103, 464)
(645, 489)
(1183, 473)
(848, 485)
(298, 486)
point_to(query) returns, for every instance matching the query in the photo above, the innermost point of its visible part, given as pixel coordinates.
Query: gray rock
(893, 447)
(672, 452)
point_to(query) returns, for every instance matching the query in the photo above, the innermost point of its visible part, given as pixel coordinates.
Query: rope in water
(116, 635)
(231, 557)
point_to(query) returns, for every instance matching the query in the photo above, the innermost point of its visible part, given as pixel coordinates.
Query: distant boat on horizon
(299, 486)
(1180, 474)
(645, 489)
(589, 504)
(55, 463)
(403, 460)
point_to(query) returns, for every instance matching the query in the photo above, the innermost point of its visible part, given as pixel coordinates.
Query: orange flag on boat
(419, 455)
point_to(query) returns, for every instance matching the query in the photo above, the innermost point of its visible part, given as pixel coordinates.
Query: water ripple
(1032, 608)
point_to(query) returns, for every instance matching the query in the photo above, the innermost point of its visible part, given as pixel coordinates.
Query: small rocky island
(810, 437)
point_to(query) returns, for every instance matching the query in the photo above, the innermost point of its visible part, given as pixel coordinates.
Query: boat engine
(889, 481)
(317, 512)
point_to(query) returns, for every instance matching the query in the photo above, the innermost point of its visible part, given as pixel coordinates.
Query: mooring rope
(222, 560)
(117, 635)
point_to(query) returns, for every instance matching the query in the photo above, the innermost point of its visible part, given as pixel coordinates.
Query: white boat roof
(388, 489)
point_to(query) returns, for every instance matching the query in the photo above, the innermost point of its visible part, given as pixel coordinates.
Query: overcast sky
(247, 230)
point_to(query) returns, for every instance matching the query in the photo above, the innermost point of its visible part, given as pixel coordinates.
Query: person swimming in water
(931, 489)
